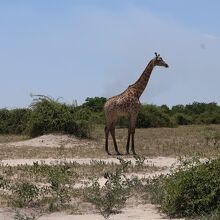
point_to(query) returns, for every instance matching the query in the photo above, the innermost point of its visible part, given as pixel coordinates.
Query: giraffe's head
(158, 61)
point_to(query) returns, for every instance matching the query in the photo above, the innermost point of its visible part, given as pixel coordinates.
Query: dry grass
(203, 141)
(11, 138)
(180, 141)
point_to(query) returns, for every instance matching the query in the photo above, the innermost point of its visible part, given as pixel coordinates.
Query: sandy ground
(51, 140)
(157, 161)
(145, 212)
(141, 212)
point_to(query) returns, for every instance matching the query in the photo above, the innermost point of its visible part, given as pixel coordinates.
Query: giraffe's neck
(140, 85)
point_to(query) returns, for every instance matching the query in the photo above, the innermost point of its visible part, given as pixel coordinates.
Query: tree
(95, 104)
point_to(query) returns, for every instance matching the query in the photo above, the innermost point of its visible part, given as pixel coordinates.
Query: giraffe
(127, 104)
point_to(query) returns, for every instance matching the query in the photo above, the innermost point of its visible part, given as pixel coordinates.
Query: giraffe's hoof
(118, 154)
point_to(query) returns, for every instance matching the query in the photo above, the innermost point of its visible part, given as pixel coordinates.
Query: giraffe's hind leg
(107, 129)
(112, 131)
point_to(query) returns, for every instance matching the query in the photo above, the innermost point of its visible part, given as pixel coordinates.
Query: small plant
(110, 198)
(60, 185)
(212, 137)
(4, 183)
(152, 189)
(24, 194)
(97, 163)
(139, 161)
(19, 216)
(125, 164)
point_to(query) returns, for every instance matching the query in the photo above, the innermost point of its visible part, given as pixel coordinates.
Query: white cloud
(211, 37)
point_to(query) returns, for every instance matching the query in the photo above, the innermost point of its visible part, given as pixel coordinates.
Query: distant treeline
(46, 115)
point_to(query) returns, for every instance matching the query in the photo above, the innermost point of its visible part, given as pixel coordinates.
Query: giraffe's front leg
(133, 124)
(132, 143)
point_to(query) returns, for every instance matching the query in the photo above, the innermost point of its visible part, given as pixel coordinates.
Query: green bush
(14, 121)
(95, 104)
(209, 118)
(152, 116)
(82, 114)
(192, 190)
(50, 116)
(47, 115)
(182, 119)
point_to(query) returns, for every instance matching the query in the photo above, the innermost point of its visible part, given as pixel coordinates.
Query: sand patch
(51, 140)
(140, 212)
(157, 161)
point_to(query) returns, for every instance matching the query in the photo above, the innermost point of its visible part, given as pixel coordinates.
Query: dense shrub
(178, 109)
(182, 119)
(192, 190)
(82, 114)
(49, 116)
(152, 116)
(209, 118)
(14, 121)
(196, 113)
(95, 104)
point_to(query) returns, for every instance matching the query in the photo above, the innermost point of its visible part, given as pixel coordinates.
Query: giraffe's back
(122, 105)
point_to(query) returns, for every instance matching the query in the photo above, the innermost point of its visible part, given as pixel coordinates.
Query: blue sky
(79, 49)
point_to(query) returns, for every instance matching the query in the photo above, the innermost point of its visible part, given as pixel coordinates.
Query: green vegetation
(111, 197)
(14, 121)
(190, 190)
(19, 216)
(46, 115)
(49, 116)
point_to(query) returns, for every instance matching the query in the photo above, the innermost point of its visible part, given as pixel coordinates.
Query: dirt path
(141, 212)
(157, 161)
